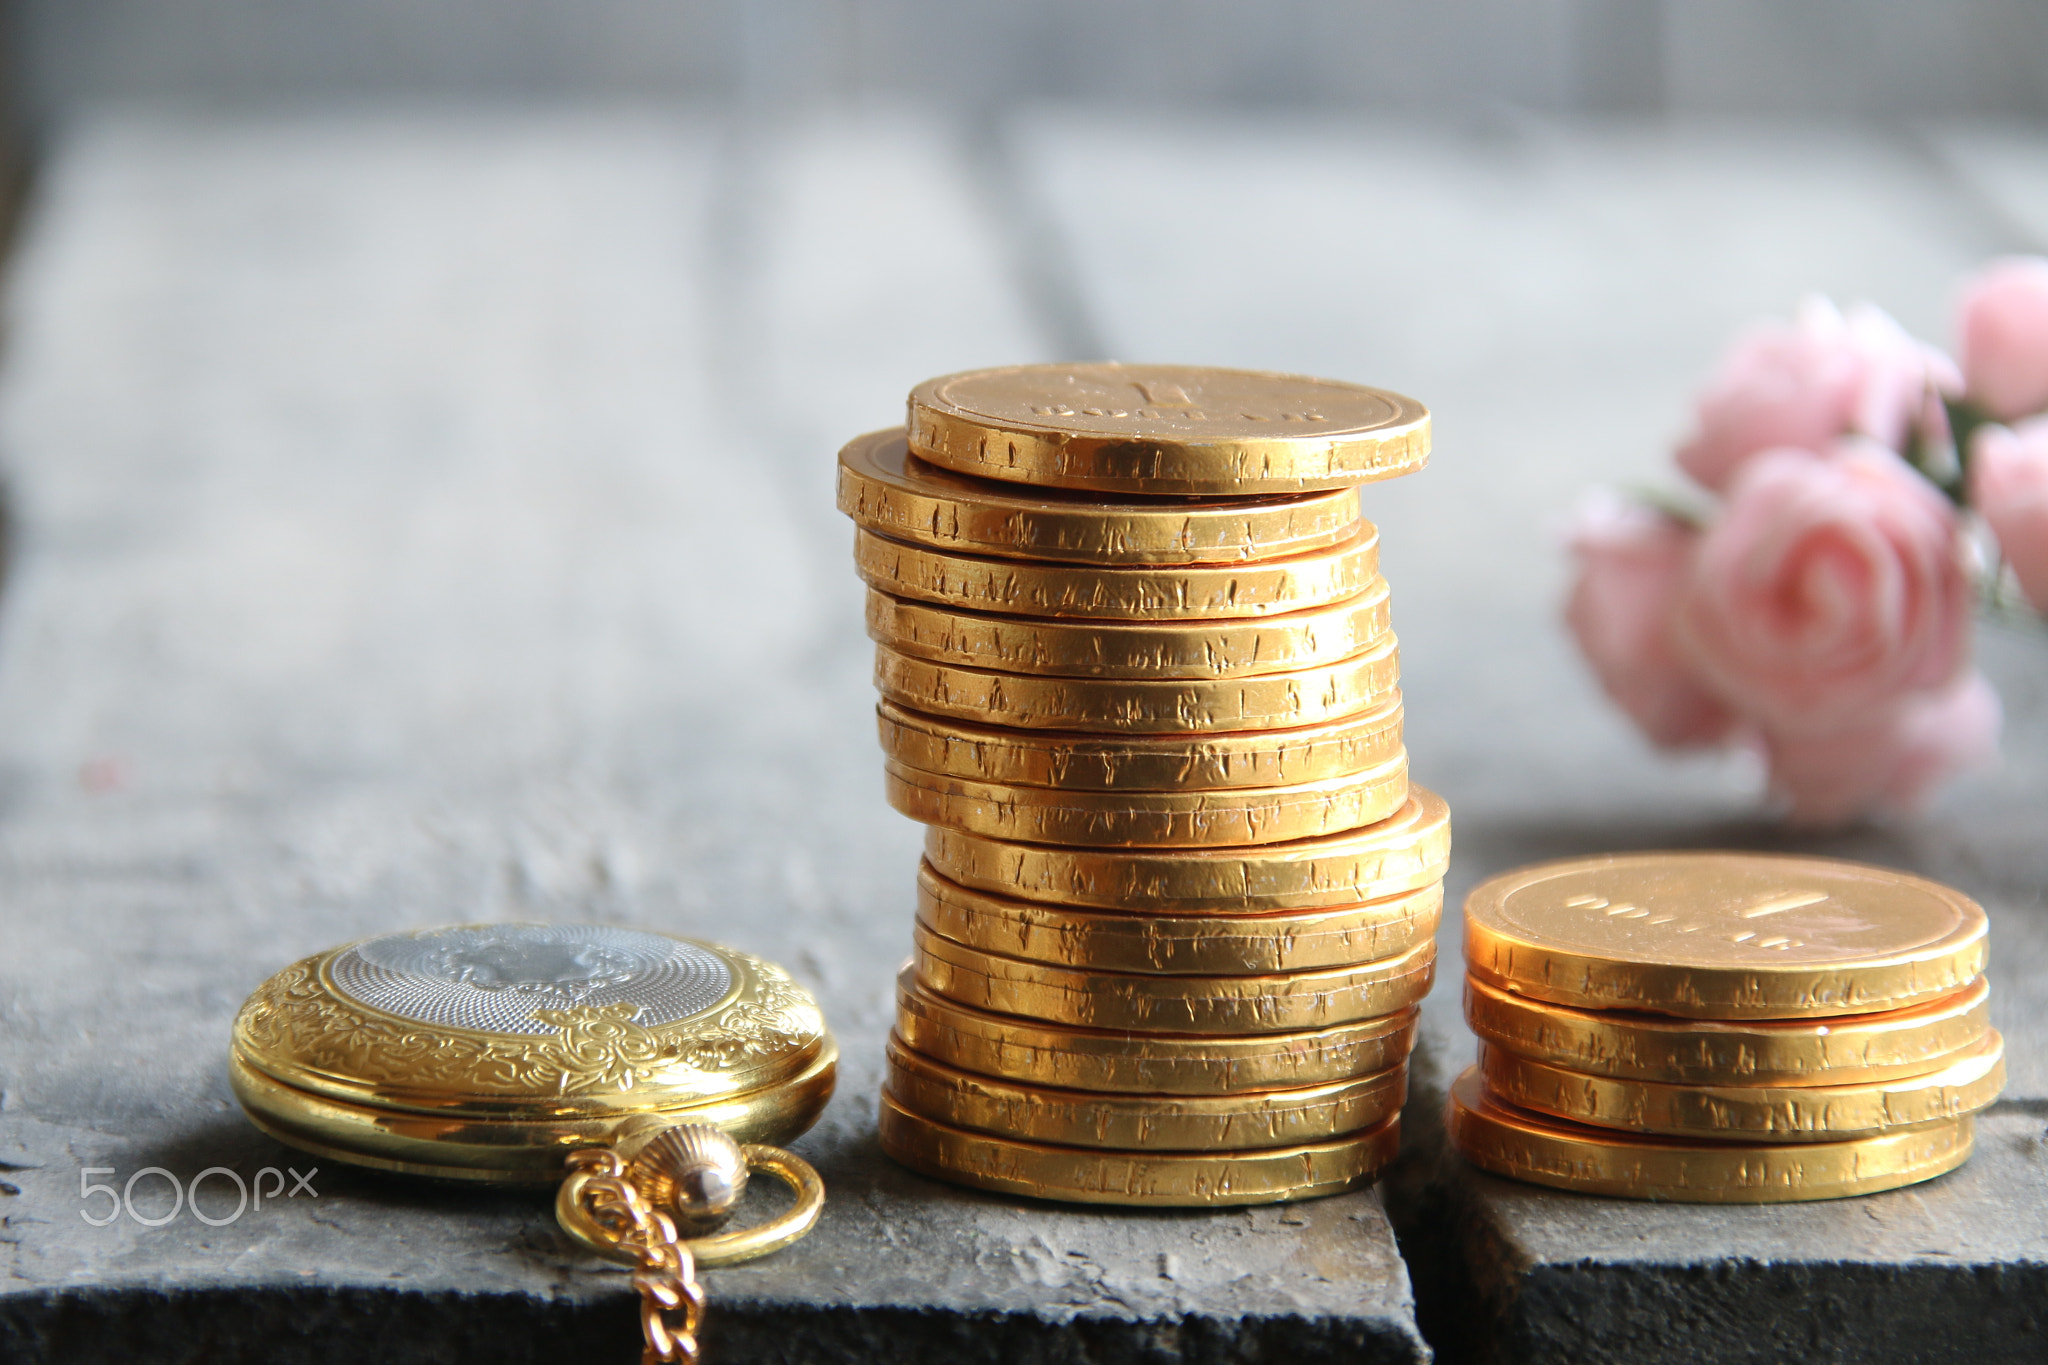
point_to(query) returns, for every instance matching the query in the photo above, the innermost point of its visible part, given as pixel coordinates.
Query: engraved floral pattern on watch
(298, 1028)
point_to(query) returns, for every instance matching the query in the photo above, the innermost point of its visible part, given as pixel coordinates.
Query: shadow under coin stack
(1178, 899)
(1723, 1028)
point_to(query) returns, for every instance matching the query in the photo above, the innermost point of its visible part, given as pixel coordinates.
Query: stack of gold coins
(1178, 899)
(1723, 1027)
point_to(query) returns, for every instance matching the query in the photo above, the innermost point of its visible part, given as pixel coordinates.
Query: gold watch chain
(665, 1272)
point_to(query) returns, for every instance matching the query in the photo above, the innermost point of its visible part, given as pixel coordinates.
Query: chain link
(667, 1273)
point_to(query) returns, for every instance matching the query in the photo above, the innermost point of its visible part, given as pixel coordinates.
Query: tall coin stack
(1723, 1027)
(1177, 902)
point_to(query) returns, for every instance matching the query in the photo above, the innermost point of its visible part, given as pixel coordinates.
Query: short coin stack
(1178, 898)
(1723, 1027)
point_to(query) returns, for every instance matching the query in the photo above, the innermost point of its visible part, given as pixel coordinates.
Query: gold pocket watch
(646, 1073)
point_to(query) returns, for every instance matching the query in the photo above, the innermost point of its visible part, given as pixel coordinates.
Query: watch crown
(692, 1171)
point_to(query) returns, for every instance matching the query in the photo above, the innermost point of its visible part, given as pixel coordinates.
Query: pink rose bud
(1831, 588)
(1810, 382)
(2009, 489)
(1892, 766)
(2002, 337)
(1903, 382)
(1632, 562)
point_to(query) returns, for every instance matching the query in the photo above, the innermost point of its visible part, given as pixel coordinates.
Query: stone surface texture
(420, 517)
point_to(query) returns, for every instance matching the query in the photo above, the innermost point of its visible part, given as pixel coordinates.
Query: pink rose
(1831, 588)
(1892, 765)
(2009, 487)
(1810, 382)
(1632, 563)
(2002, 336)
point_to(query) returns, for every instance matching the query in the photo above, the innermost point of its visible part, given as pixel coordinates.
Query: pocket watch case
(490, 1051)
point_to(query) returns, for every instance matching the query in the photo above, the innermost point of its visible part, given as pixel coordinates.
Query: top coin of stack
(1723, 1027)
(1137, 673)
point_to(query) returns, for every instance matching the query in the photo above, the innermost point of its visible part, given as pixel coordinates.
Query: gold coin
(1272, 701)
(1189, 945)
(1569, 1156)
(1242, 815)
(1838, 1049)
(1114, 762)
(1752, 1113)
(1405, 852)
(1096, 592)
(1079, 1175)
(1145, 1063)
(886, 491)
(1117, 649)
(1185, 1123)
(1290, 1002)
(1723, 935)
(1165, 429)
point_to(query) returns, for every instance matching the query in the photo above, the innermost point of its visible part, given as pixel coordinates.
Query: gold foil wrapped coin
(1186, 819)
(1113, 762)
(1405, 852)
(886, 491)
(1723, 935)
(1545, 1151)
(1279, 1003)
(1119, 649)
(1165, 429)
(1118, 1060)
(1188, 1123)
(1273, 701)
(1189, 945)
(489, 1052)
(1157, 1179)
(1186, 592)
(1752, 1113)
(1833, 1050)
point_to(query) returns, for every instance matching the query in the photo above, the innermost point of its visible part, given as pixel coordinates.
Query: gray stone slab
(427, 518)
(1555, 293)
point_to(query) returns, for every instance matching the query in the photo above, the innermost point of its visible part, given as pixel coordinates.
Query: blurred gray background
(1851, 58)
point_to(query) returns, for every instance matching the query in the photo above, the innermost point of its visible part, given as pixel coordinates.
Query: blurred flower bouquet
(1862, 492)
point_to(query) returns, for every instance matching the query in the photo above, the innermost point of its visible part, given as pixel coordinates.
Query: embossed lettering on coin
(1144, 400)
(1726, 910)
